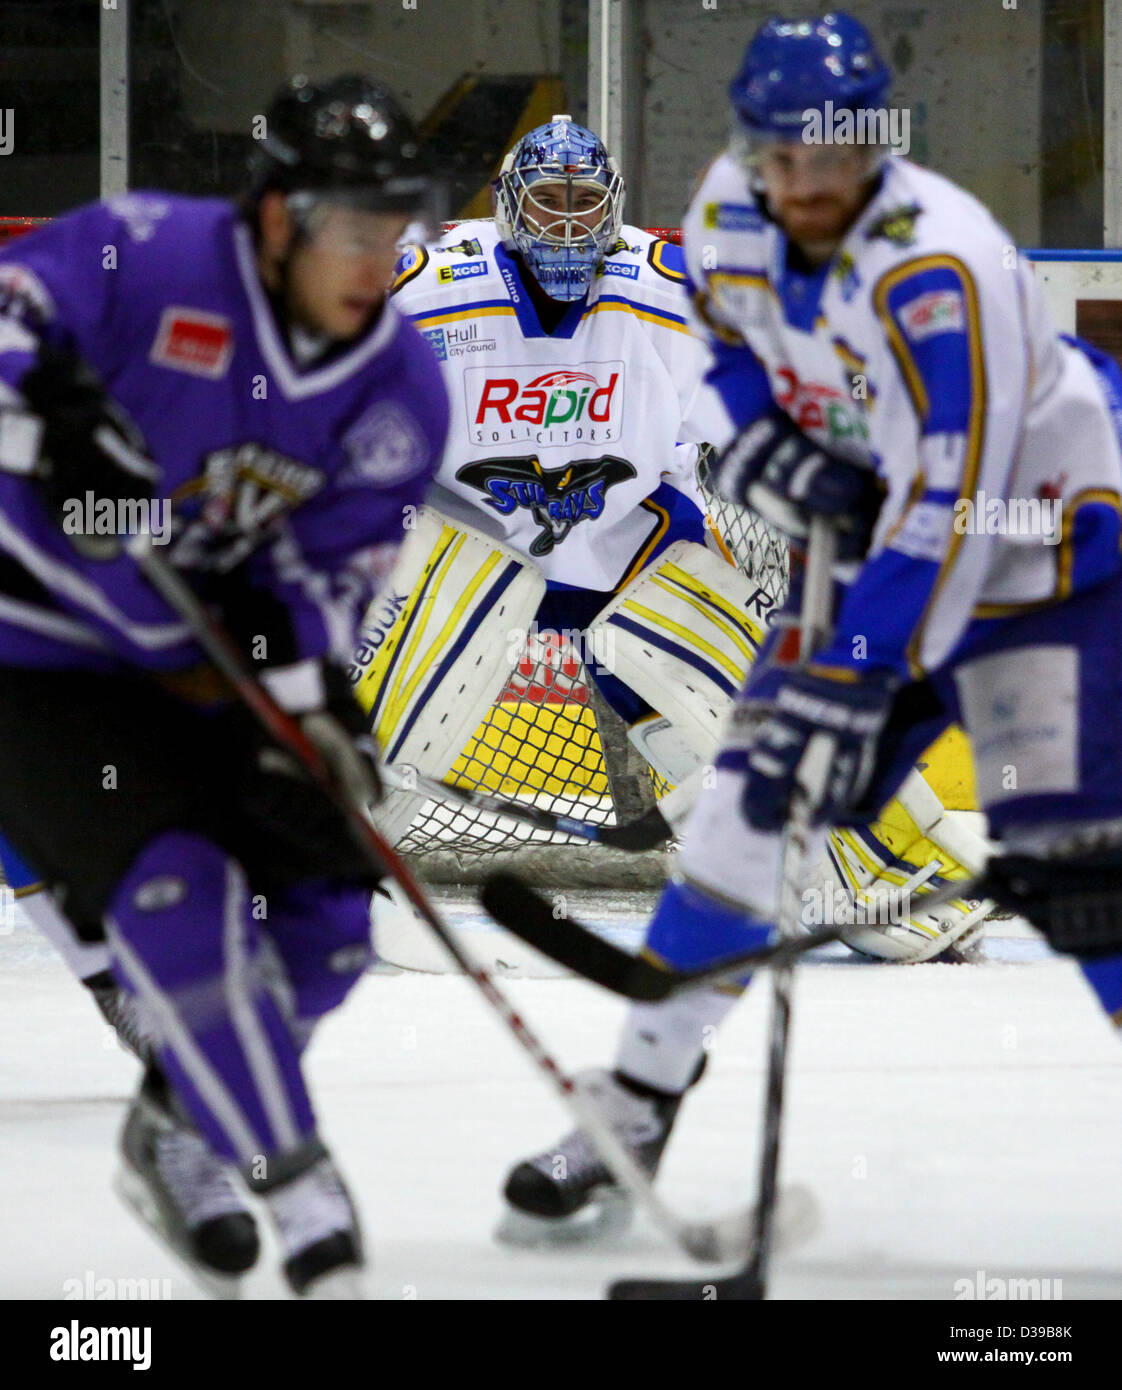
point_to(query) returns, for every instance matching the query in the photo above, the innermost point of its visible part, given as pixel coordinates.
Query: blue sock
(690, 929)
(1104, 975)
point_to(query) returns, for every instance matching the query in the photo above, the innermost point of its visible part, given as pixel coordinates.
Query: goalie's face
(549, 209)
(333, 263)
(815, 193)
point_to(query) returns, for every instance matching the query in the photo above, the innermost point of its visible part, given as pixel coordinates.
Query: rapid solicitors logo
(564, 405)
(872, 125)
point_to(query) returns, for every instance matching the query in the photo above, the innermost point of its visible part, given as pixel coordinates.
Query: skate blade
(604, 1219)
(133, 1191)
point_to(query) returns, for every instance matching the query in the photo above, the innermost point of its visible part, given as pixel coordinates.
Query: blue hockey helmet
(564, 239)
(792, 66)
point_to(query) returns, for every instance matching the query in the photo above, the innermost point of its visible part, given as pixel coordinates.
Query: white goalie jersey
(558, 441)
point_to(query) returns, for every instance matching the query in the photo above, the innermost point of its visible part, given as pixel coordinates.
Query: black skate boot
(318, 1228)
(566, 1193)
(184, 1194)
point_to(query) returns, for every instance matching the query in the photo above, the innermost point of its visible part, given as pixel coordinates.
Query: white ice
(950, 1120)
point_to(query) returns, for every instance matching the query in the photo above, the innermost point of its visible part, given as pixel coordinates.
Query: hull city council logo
(557, 498)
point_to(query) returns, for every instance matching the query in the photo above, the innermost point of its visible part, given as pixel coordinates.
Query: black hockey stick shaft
(814, 626)
(700, 1239)
(750, 1282)
(647, 832)
(527, 914)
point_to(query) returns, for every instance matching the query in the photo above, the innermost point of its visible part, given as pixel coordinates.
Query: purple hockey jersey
(296, 479)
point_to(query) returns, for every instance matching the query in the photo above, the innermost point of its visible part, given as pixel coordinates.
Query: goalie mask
(559, 204)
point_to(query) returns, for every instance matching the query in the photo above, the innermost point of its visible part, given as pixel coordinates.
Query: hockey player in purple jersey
(231, 378)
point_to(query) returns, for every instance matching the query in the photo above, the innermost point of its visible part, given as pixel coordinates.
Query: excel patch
(447, 273)
(630, 271)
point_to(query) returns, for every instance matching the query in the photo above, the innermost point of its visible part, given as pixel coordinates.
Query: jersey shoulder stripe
(650, 313)
(486, 308)
(929, 309)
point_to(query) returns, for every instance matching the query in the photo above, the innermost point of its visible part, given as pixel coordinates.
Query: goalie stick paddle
(713, 1240)
(525, 913)
(649, 831)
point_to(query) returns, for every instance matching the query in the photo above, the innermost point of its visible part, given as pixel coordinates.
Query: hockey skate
(566, 1194)
(122, 1013)
(318, 1229)
(184, 1194)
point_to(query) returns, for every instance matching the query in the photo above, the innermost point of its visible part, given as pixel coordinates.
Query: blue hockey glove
(832, 769)
(780, 472)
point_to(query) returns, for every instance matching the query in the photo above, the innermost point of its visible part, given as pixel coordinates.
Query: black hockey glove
(322, 699)
(279, 795)
(820, 736)
(86, 444)
(779, 471)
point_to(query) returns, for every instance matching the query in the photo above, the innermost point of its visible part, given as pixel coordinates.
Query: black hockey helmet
(347, 139)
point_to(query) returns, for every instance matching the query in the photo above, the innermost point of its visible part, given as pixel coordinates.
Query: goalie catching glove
(780, 472)
(819, 736)
(76, 440)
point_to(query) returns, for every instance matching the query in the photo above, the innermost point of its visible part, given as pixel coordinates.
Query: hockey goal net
(549, 739)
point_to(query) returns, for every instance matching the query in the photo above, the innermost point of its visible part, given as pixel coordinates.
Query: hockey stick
(647, 832)
(750, 1281)
(525, 913)
(721, 1239)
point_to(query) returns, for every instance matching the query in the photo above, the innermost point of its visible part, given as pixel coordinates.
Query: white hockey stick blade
(727, 1240)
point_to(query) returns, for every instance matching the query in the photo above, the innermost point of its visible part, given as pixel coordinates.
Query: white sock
(662, 1044)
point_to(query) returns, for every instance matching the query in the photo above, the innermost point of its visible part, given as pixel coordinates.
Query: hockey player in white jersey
(578, 407)
(888, 363)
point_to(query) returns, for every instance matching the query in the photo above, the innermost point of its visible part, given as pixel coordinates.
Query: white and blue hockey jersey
(923, 349)
(558, 440)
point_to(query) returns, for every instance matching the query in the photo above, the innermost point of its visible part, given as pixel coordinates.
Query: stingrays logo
(557, 498)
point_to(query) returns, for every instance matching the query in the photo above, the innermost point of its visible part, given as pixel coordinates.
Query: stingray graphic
(557, 498)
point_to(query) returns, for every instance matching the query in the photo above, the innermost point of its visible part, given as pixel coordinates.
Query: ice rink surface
(953, 1122)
